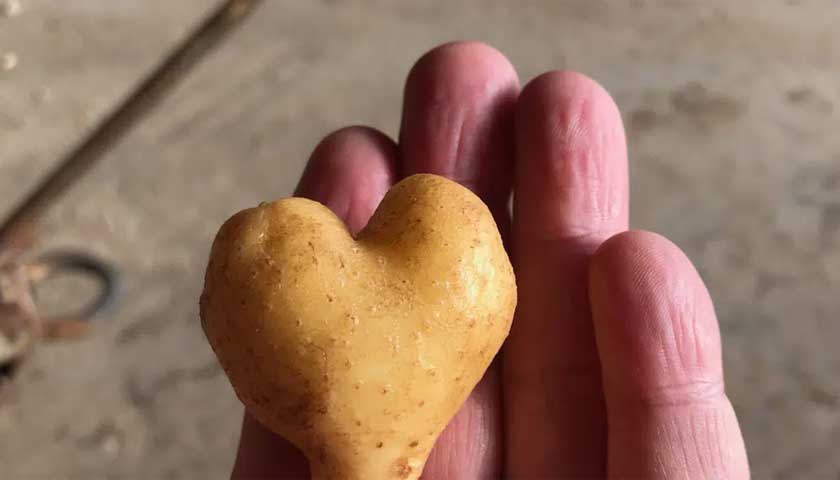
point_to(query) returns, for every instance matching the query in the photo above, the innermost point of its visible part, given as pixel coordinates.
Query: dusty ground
(731, 111)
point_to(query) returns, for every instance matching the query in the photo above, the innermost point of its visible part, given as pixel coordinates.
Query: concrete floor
(731, 109)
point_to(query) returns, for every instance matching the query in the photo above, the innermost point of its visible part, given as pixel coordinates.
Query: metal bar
(147, 95)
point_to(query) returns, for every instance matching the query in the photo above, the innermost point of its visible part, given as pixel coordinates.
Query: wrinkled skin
(613, 365)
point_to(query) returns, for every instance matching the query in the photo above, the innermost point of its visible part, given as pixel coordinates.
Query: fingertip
(640, 259)
(627, 253)
(457, 118)
(488, 67)
(571, 168)
(659, 345)
(577, 105)
(563, 87)
(350, 171)
(652, 311)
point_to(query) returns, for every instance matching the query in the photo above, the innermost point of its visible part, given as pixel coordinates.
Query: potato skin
(360, 351)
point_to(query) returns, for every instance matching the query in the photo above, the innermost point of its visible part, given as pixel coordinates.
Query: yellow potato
(360, 351)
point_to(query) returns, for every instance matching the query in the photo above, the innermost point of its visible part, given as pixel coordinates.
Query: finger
(470, 446)
(661, 358)
(570, 194)
(349, 172)
(264, 454)
(458, 119)
(458, 122)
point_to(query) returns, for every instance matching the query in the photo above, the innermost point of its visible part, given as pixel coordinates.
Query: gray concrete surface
(731, 112)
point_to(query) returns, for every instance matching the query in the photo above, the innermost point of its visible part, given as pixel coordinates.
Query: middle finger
(458, 123)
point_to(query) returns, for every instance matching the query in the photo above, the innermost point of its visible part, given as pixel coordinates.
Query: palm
(613, 364)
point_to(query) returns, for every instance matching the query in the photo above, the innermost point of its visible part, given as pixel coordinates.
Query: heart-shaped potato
(360, 351)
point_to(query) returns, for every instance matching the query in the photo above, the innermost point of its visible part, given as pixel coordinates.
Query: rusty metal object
(21, 325)
(18, 324)
(76, 323)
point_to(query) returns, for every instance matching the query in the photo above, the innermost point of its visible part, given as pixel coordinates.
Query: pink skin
(613, 366)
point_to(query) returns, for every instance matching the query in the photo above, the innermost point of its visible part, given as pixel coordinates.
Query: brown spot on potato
(403, 468)
(414, 444)
(379, 445)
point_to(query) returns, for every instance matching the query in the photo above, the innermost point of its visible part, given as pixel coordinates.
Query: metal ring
(77, 262)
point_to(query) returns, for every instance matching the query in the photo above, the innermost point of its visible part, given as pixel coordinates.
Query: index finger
(349, 172)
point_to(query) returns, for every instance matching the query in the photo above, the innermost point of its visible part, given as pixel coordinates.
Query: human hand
(613, 364)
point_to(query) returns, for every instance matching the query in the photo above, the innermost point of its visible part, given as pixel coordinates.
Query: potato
(360, 351)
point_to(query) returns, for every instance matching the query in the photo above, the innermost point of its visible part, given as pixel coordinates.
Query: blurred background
(731, 110)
